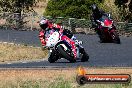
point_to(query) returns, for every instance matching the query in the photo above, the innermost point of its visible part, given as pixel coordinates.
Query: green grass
(50, 79)
(14, 52)
(59, 83)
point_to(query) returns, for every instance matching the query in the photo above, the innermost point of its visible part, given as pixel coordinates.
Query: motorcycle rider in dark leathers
(96, 15)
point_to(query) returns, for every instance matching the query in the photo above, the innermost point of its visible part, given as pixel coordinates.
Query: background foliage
(70, 8)
(120, 9)
(125, 7)
(16, 6)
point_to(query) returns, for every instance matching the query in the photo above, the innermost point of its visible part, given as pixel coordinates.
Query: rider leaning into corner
(77, 51)
(96, 15)
(46, 26)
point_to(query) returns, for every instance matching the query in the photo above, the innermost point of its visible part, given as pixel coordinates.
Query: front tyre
(53, 57)
(65, 54)
(85, 56)
(115, 37)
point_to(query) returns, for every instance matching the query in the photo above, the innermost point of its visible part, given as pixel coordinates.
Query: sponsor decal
(83, 78)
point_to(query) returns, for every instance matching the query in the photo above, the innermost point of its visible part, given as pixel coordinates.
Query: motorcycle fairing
(72, 43)
(52, 38)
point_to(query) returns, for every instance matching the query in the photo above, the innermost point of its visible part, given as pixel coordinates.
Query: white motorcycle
(61, 46)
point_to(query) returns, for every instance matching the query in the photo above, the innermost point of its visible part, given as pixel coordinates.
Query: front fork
(78, 51)
(50, 51)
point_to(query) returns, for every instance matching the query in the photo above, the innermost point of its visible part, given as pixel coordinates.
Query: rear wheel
(65, 54)
(53, 57)
(115, 37)
(85, 56)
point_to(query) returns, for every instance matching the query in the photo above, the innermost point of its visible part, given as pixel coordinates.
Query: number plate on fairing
(52, 40)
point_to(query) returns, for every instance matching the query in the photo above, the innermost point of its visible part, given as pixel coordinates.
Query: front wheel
(85, 56)
(53, 57)
(66, 54)
(115, 37)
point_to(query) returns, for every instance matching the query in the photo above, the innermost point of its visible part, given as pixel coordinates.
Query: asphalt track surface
(101, 54)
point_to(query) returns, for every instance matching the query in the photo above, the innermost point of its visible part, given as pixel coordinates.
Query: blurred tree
(70, 8)
(17, 6)
(130, 6)
(125, 7)
(120, 2)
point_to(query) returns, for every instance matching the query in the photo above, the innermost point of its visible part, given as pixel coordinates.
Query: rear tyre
(65, 54)
(115, 38)
(53, 57)
(102, 36)
(85, 56)
(102, 39)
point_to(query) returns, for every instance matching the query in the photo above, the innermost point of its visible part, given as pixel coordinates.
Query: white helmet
(43, 23)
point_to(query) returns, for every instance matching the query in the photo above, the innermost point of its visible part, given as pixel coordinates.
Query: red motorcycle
(107, 30)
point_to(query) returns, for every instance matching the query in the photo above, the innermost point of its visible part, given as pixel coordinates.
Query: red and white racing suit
(43, 41)
(42, 32)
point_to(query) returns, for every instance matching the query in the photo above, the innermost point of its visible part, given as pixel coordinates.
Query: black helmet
(94, 8)
(43, 23)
